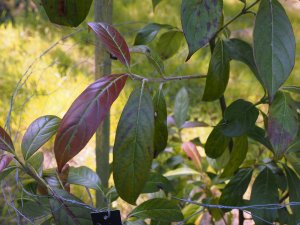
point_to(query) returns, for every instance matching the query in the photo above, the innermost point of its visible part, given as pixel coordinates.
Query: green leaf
(232, 194)
(71, 212)
(160, 123)
(189, 213)
(282, 123)
(237, 156)
(242, 51)
(169, 43)
(38, 133)
(152, 56)
(184, 171)
(157, 182)
(294, 194)
(220, 162)
(274, 45)
(293, 89)
(258, 134)
(149, 32)
(218, 73)
(36, 161)
(68, 13)
(37, 209)
(239, 118)
(264, 191)
(135, 222)
(155, 3)
(216, 143)
(133, 149)
(200, 22)
(84, 176)
(158, 209)
(181, 107)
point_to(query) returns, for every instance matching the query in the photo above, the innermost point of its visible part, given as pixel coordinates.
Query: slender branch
(165, 79)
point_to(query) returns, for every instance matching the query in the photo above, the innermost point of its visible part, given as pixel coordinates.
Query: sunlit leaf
(68, 13)
(192, 152)
(6, 142)
(84, 116)
(38, 133)
(274, 45)
(200, 22)
(158, 209)
(258, 134)
(113, 41)
(160, 123)
(218, 73)
(84, 176)
(282, 123)
(133, 148)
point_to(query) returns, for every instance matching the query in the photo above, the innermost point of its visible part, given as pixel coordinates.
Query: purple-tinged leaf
(38, 133)
(112, 41)
(194, 124)
(191, 151)
(282, 123)
(5, 141)
(4, 161)
(84, 116)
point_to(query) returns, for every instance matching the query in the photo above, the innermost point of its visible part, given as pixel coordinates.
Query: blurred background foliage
(53, 78)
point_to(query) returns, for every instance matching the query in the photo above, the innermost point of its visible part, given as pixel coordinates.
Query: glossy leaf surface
(237, 155)
(84, 176)
(133, 149)
(5, 141)
(67, 12)
(84, 116)
(282, 123)
(232, 194)
(160, 123)
(200, 22)
(38, 133)
(239, 118)
(218, 73)
(113, 41)
(264, 191)
(158, 209)
(181, 107)
(274, 45)
(216, 143)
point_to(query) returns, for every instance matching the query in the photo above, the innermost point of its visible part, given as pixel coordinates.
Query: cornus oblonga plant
(213, 182)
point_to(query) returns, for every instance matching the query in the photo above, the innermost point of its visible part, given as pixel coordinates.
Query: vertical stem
(102, 13)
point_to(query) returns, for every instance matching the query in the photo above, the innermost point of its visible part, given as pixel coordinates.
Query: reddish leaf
(4, 161)
(84, 116)
(191, 150)
(5, 141)
(112, 41)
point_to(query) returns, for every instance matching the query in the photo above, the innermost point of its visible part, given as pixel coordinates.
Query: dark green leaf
(200, 22)
(184, 171)
(160, 122)
(133, 149)
(157, 182)
(282, 123)
(152, 56)
(169, 43)
(242, 51)
(38, 133)
(6, 172)
(232, 194)
(84, 176)
(216, 143)
(237, 156)
(149, 32)
(68, 13)
(239, 118)
(264, 191)
(158, 209)
(71, 212)
(35, 209)
(294, 194)
(274, 45)
(36, 161)
(258, 134)
(181, 107)
(218, 73)
(220, 162)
